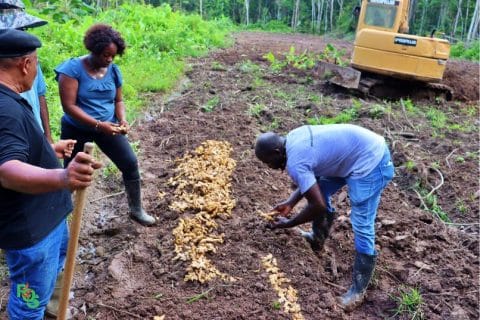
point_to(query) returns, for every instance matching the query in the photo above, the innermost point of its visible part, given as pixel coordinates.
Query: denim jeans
(33, 276)
(364, 194)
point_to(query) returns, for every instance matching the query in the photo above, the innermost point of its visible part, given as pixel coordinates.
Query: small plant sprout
(256, 109)
(461, 206)
(409, 105)
(315, 98)
(211, 104)
(376, 111)
(410, 165)
(248, 66)
(460, 159)
(409, 303)
(217, 66)
(276, 305)
(437, 118)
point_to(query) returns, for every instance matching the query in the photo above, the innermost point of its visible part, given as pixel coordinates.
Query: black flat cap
(16, 43)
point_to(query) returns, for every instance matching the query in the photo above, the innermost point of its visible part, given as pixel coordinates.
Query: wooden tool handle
(80, 196)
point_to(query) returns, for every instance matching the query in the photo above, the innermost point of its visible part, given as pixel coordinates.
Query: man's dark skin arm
(286, 206)
(316, 205)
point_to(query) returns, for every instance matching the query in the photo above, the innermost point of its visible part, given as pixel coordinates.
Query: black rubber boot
(362, 273)
(320, 231)
(134, 196)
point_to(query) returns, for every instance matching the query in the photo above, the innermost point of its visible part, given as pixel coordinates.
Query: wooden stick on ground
(80, 196)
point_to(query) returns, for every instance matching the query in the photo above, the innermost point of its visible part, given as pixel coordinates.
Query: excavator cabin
(382, 45)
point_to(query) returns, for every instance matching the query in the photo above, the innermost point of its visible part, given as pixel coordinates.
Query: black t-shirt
(25, 219)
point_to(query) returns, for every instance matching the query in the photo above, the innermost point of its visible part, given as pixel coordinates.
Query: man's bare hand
(283, 208)
(280, 223)
(64, 148)
(79, 173)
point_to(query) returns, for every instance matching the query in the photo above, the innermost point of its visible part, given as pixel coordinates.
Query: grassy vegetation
(345, 116)
(306, 60)
(211, 104)
(158, 39)
(461, 51)
(256, 109)
(409, 304)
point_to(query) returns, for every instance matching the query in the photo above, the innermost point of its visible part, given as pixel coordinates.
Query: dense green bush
(272, 25)
(158, 39)
(471, 52)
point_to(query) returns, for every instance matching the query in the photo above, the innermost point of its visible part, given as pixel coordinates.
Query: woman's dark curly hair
(100, 36)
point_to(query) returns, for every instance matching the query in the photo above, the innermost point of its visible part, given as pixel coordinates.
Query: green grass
(461, 206)
(409, 106)
(272, 126)
(256, 109)
(211, 104)
(437, 118)
(346, 116)
(410, 165)
(432, 202)
(248, 66)
(158, 40)
(377, 111)
(276, 305)
(217, 66)
(409, 304)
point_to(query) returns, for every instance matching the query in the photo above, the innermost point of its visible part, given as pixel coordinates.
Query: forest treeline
(456, 20)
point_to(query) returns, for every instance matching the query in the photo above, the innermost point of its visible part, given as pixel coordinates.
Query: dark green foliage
(461, 51)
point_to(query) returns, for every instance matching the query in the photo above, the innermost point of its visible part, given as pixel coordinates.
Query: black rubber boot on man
(320, 231)
(52, 306)
(134, 196)
(362, 273)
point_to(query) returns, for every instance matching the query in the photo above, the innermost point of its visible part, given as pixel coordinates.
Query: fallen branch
(462, 224)
(404, 134)
(333, 265)
(389, 273)
(405, 115)
(121, 311)
(421, 200)
(108, 196)
(439, 185)
(335, 285)
(448, 157)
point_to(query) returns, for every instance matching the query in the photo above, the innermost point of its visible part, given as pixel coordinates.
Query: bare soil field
(126, 271)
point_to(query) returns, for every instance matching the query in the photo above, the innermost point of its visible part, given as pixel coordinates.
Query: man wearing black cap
(34, 189)
(13, 16)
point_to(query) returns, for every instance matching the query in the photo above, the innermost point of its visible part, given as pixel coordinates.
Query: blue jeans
(364, 194)
(33, 276)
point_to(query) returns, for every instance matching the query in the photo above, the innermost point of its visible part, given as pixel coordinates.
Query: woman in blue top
(91, 95)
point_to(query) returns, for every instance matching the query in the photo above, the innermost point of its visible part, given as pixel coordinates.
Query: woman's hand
(124, 127)
(64, 148)
(109, 128)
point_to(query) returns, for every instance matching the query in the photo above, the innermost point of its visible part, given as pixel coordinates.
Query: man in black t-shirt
(34, 189)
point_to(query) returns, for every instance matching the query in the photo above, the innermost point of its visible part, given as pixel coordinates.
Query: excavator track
(380, 86)
(386, 88)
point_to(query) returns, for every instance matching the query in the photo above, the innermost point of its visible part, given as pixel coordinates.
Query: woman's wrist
(97, 125)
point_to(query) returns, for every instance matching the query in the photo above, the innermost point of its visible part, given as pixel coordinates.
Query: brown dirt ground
(126, 271)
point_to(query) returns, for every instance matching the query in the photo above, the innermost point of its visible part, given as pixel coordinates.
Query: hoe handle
(80, 196)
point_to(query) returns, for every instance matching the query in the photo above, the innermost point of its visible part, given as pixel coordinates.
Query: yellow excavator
(386, 60)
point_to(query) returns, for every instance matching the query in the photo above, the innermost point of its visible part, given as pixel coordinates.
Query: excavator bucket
(342, 76)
